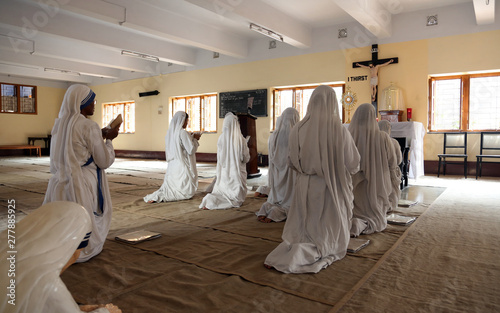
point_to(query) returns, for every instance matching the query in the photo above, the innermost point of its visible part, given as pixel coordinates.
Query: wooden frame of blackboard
(239, 102)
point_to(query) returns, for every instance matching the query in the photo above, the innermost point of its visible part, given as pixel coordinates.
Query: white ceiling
(85, 37)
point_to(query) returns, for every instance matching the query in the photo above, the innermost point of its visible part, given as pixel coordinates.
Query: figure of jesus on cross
(374, 75)
(374, 66)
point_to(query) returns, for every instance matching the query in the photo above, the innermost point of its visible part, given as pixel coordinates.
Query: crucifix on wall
(373, 65)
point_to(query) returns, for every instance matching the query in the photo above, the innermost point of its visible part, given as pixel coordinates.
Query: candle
(408, 114)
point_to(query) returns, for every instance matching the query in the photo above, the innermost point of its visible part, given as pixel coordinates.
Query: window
(298, 98)
(126, 109)
(464, 102)
(18, 99)
(202, 111)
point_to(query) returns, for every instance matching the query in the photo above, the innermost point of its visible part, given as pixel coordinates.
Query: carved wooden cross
(374, 71)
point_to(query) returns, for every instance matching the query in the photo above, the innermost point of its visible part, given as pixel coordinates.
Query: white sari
(229, 188)
(181, 178)
(372, 184)
(78, 158)
(395, 171)
(281, 176)
(46, 239)
(321, 150)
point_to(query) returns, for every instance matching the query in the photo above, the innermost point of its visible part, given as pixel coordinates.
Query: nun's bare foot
(151, 201)
(268, 266)
(205, 208)
(264, 219)
(260, 195)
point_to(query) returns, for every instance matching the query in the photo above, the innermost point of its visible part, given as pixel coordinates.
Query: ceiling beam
(45, 62)
(485, 11)
(37, 18)
(143, 17)
(32, 72)
(294, 31)
(371, 14)
(11, 39)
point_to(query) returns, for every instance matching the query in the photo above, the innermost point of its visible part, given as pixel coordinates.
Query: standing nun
(181, 178)
(395, 170)
(372, 184)
(321, 150)
(78, 157)
(281, 176)
(230, 184)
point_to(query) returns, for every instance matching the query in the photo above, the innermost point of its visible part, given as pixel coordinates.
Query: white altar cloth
(414, 133)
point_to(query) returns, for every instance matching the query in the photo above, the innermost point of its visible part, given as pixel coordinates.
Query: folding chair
(454, 147)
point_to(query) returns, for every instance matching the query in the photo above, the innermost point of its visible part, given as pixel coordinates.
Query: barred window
(464, 102)
(126, 109)
(298, 98)
(202, 111)
(18, 99)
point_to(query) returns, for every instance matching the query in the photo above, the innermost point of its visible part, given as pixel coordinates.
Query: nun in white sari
(78, 157)
(48, 240)
(372, 184)
(281, 176)
(321, 150)
(181, 178)
(395, 171)
(230, 184)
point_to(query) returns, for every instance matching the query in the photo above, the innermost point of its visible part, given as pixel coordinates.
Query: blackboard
(239, 101)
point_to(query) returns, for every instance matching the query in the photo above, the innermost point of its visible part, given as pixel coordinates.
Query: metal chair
(454, 147)
(490, 149)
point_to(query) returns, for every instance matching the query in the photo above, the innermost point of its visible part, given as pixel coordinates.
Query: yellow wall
(151, 126)
(16, 128)
(460, 54)
(417, 60)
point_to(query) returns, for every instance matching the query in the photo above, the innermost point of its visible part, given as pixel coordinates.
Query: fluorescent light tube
(140, 55)
(266, 32)
(56, 70)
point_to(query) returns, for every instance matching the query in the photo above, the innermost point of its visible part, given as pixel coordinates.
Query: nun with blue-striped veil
(48, 241)
(80, 151)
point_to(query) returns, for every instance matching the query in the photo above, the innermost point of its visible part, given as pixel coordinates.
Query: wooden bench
(38, 149)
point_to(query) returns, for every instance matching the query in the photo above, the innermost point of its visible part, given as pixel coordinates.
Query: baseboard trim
(430, 167)
(489, 169)
(160, 155)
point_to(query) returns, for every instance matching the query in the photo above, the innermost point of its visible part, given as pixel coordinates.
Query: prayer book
(137, 236)
(356, 244)
(117, 121)
(400, 219)
(406, 203)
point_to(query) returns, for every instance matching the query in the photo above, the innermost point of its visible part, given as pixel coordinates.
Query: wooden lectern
(247, 126)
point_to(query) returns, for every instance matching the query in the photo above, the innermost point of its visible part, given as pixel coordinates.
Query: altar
(414, 133)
